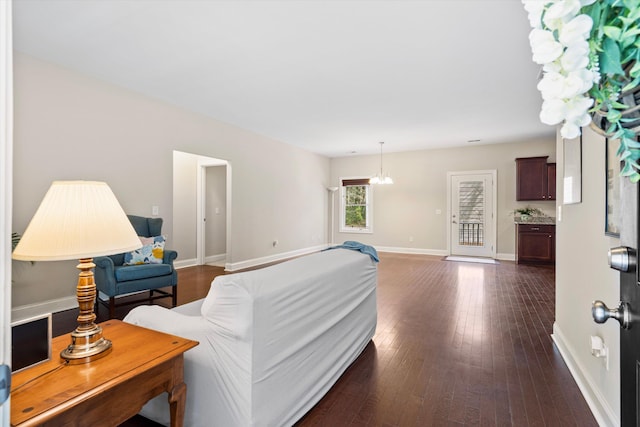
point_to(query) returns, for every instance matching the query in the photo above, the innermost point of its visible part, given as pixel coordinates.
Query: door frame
(6, 186)
(201, 198)
(494, 207)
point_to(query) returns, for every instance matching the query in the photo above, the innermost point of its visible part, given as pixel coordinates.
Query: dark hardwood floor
(457, 344)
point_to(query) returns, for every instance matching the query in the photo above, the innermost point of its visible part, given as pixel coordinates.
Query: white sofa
(272, 341)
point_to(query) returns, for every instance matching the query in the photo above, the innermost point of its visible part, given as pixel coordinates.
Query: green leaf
(621, 150)
(631, 33)
(633, 144)
(610, 58)
(614, 33)
(594, 11)
(613, 115)
(619, 105)
(627, 170)
(631, 4)
(633, 83)
(634, 164)
(634, 15)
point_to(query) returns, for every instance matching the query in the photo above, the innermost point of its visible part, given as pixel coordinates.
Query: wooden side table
(143, 364)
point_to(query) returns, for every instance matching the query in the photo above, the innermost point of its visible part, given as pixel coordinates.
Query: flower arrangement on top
(590, 53)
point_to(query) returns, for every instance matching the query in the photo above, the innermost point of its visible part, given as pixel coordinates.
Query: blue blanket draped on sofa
(357, 246)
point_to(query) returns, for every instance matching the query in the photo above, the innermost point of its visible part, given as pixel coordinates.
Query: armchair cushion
(152, 251)
(137, 272)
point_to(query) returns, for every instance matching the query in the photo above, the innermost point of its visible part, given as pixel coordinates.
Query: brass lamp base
(86, 346)
(87, 342)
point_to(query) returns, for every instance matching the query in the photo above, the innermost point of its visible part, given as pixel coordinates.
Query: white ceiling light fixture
(381, 178)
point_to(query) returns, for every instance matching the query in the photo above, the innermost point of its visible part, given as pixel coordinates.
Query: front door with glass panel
(472, 230)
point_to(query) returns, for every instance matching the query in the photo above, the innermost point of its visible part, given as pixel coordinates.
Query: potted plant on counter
(526, 213)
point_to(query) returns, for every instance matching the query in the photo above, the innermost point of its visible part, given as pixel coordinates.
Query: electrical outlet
(155, 210)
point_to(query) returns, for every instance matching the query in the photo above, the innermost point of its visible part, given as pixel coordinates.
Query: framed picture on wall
(572, 178)
(612, 188)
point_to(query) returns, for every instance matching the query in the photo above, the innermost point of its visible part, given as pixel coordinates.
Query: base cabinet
(535, 243)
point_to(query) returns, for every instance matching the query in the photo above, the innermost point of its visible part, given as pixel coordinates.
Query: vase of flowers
(590, 54)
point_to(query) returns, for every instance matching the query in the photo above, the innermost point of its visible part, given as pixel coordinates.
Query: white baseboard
(38, 309)
(603, 413)
(419, 251)
(234, 266)
(215, 258)
(282, 256)
(435, 252)
(183, 263)
(506, 257)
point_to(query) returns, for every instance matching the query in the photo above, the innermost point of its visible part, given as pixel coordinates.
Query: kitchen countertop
(543, 220)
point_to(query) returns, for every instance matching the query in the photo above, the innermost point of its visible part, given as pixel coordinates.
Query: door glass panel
(471, 211)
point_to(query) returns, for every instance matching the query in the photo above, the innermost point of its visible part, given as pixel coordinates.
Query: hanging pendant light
(381, 178)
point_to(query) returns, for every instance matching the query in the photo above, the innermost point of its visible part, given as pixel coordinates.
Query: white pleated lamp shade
(77, 219)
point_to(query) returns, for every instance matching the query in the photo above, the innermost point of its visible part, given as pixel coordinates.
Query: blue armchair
(113, 278)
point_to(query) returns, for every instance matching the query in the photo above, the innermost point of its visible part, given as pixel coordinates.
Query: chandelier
(381, 178)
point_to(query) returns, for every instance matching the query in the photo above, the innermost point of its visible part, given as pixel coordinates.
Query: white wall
(408, 207)
(185, 176)
(72, 126)
(582, 276)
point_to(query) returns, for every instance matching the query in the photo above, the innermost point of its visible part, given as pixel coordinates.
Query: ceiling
(334, 76)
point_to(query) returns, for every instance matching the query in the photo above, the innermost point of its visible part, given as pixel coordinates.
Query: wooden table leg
(178, 394)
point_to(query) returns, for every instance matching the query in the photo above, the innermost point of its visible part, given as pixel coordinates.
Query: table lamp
(79, 220)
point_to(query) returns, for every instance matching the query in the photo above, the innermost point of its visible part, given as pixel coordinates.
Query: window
(355, 206)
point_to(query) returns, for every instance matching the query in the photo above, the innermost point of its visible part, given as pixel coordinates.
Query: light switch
(155, 210)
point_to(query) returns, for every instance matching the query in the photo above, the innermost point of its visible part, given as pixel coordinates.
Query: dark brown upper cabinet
(535, 179)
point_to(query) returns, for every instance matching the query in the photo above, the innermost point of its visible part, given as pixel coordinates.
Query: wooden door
(630, 294)
(624, 259)
(472, 214)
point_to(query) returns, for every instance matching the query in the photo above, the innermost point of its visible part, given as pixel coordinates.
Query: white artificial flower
(596, 75)
(534, 8)
(575, 57)
(559, 42)
(551, 85)
(544, 46)
(573, 86)
(570, 130)
(577, 109)
(571, 127)
(557, 85)
(553, 111)
(552, 67)
(561, 12)
(576, 30)
(588, 77)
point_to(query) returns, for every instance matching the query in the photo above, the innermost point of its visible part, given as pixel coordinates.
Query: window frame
(368, 229)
